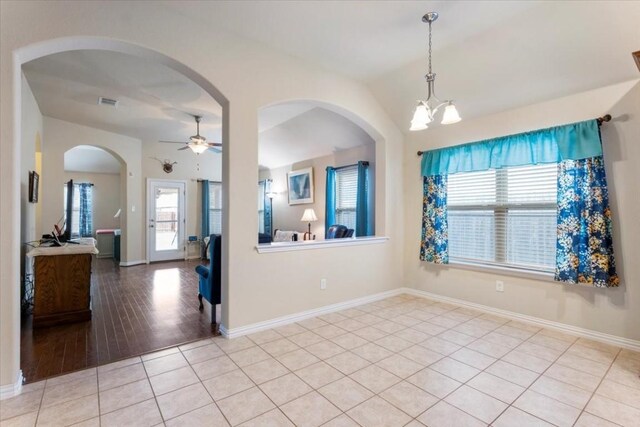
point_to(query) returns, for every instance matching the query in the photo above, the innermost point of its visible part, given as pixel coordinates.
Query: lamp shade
(450, 115)
(309, 215)
(198, 148)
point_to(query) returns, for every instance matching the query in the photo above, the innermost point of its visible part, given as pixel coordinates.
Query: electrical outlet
(323, 283)
(499, 286)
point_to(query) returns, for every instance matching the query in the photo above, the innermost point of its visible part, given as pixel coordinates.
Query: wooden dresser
(62, 284)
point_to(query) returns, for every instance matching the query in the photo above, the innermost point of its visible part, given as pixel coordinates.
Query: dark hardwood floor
(135, 310)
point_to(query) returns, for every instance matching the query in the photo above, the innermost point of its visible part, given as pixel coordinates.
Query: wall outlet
(323, 283)
(499, 286)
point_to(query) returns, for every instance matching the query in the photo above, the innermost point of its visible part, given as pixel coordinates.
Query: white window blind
(215, 207)
(504, 217)
(75, 210)
(346, 196)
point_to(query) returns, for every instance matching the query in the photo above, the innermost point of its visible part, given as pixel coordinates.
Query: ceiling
(85, 158)
(316, 132)
(154, 102)
(489, 56)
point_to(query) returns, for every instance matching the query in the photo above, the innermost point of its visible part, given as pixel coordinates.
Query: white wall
(286, 217)
(614, 311)
(62, 136)
(276, 284)
(106, 197)
(30, 161)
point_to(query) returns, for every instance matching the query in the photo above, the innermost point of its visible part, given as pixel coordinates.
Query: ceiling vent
(108, 102)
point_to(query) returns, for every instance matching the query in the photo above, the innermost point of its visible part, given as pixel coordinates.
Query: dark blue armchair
(336, 231)
(211, 277)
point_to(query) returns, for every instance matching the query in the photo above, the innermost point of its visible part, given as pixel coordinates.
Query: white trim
(507, 271)
(318, 244)
(131, 263)
(544, 323)
(296, 317)
(11, 390)
(182, 225)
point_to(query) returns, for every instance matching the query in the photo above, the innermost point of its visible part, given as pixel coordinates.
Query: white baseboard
(296, 317)
(132, 263)
(549, 324)
(11, 390)
(543, 323)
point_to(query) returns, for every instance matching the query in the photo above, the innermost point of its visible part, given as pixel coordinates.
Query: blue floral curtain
(434, 246)
(85, 222)
(584, 249)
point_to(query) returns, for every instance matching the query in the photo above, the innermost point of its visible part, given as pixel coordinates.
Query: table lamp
(309, 216)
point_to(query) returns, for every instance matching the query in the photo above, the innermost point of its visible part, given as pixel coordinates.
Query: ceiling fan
(198, 143)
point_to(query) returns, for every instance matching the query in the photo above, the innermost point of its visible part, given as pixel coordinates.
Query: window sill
(508, 271)
(318, 244)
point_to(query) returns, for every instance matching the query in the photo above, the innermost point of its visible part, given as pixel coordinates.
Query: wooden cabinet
(62, 289)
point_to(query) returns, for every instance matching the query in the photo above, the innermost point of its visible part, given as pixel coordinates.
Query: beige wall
(106, 197)
(32, 135)
(62, 136)
(286, 217)
(256, 287)
(614, 311)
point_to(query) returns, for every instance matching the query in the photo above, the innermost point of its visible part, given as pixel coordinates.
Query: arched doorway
(11, 306)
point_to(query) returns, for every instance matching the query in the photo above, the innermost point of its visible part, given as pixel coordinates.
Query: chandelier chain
(429, 47)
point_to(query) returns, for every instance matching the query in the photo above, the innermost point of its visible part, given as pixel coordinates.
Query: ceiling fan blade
(175, 142)
(214, 144)
(186, 147)
(215, 150)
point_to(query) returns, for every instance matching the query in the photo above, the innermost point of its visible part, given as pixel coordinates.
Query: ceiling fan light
(418, 126)
(198, 148)
(450, 115)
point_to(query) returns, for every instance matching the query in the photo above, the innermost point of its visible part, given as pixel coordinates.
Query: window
(80, 222)
(504, 217)
(215, 207)
(346, 196)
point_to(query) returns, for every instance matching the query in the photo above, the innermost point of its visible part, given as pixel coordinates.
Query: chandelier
(427, 109)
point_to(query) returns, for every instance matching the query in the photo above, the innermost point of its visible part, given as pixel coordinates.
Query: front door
(165, 220)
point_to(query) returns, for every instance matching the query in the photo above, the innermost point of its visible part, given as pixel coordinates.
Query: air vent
(108, 102)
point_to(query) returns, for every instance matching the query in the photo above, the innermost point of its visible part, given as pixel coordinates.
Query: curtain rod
(365, 162)
(600, 120)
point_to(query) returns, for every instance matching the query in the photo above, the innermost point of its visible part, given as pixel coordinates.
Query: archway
(307, 138)
(11, 304)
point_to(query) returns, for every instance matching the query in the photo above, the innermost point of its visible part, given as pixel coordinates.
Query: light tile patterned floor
(396, 362)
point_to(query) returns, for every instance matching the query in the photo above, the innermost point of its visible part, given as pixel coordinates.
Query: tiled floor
(396, 362)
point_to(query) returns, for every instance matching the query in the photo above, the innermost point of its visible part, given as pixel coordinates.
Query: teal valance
(569, 142)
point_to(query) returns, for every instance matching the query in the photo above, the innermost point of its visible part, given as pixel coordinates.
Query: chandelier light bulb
(417, 126)
(428, 108)
(450, 115)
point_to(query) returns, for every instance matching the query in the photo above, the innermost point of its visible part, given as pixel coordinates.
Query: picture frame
(34, 184)
(300, 186)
